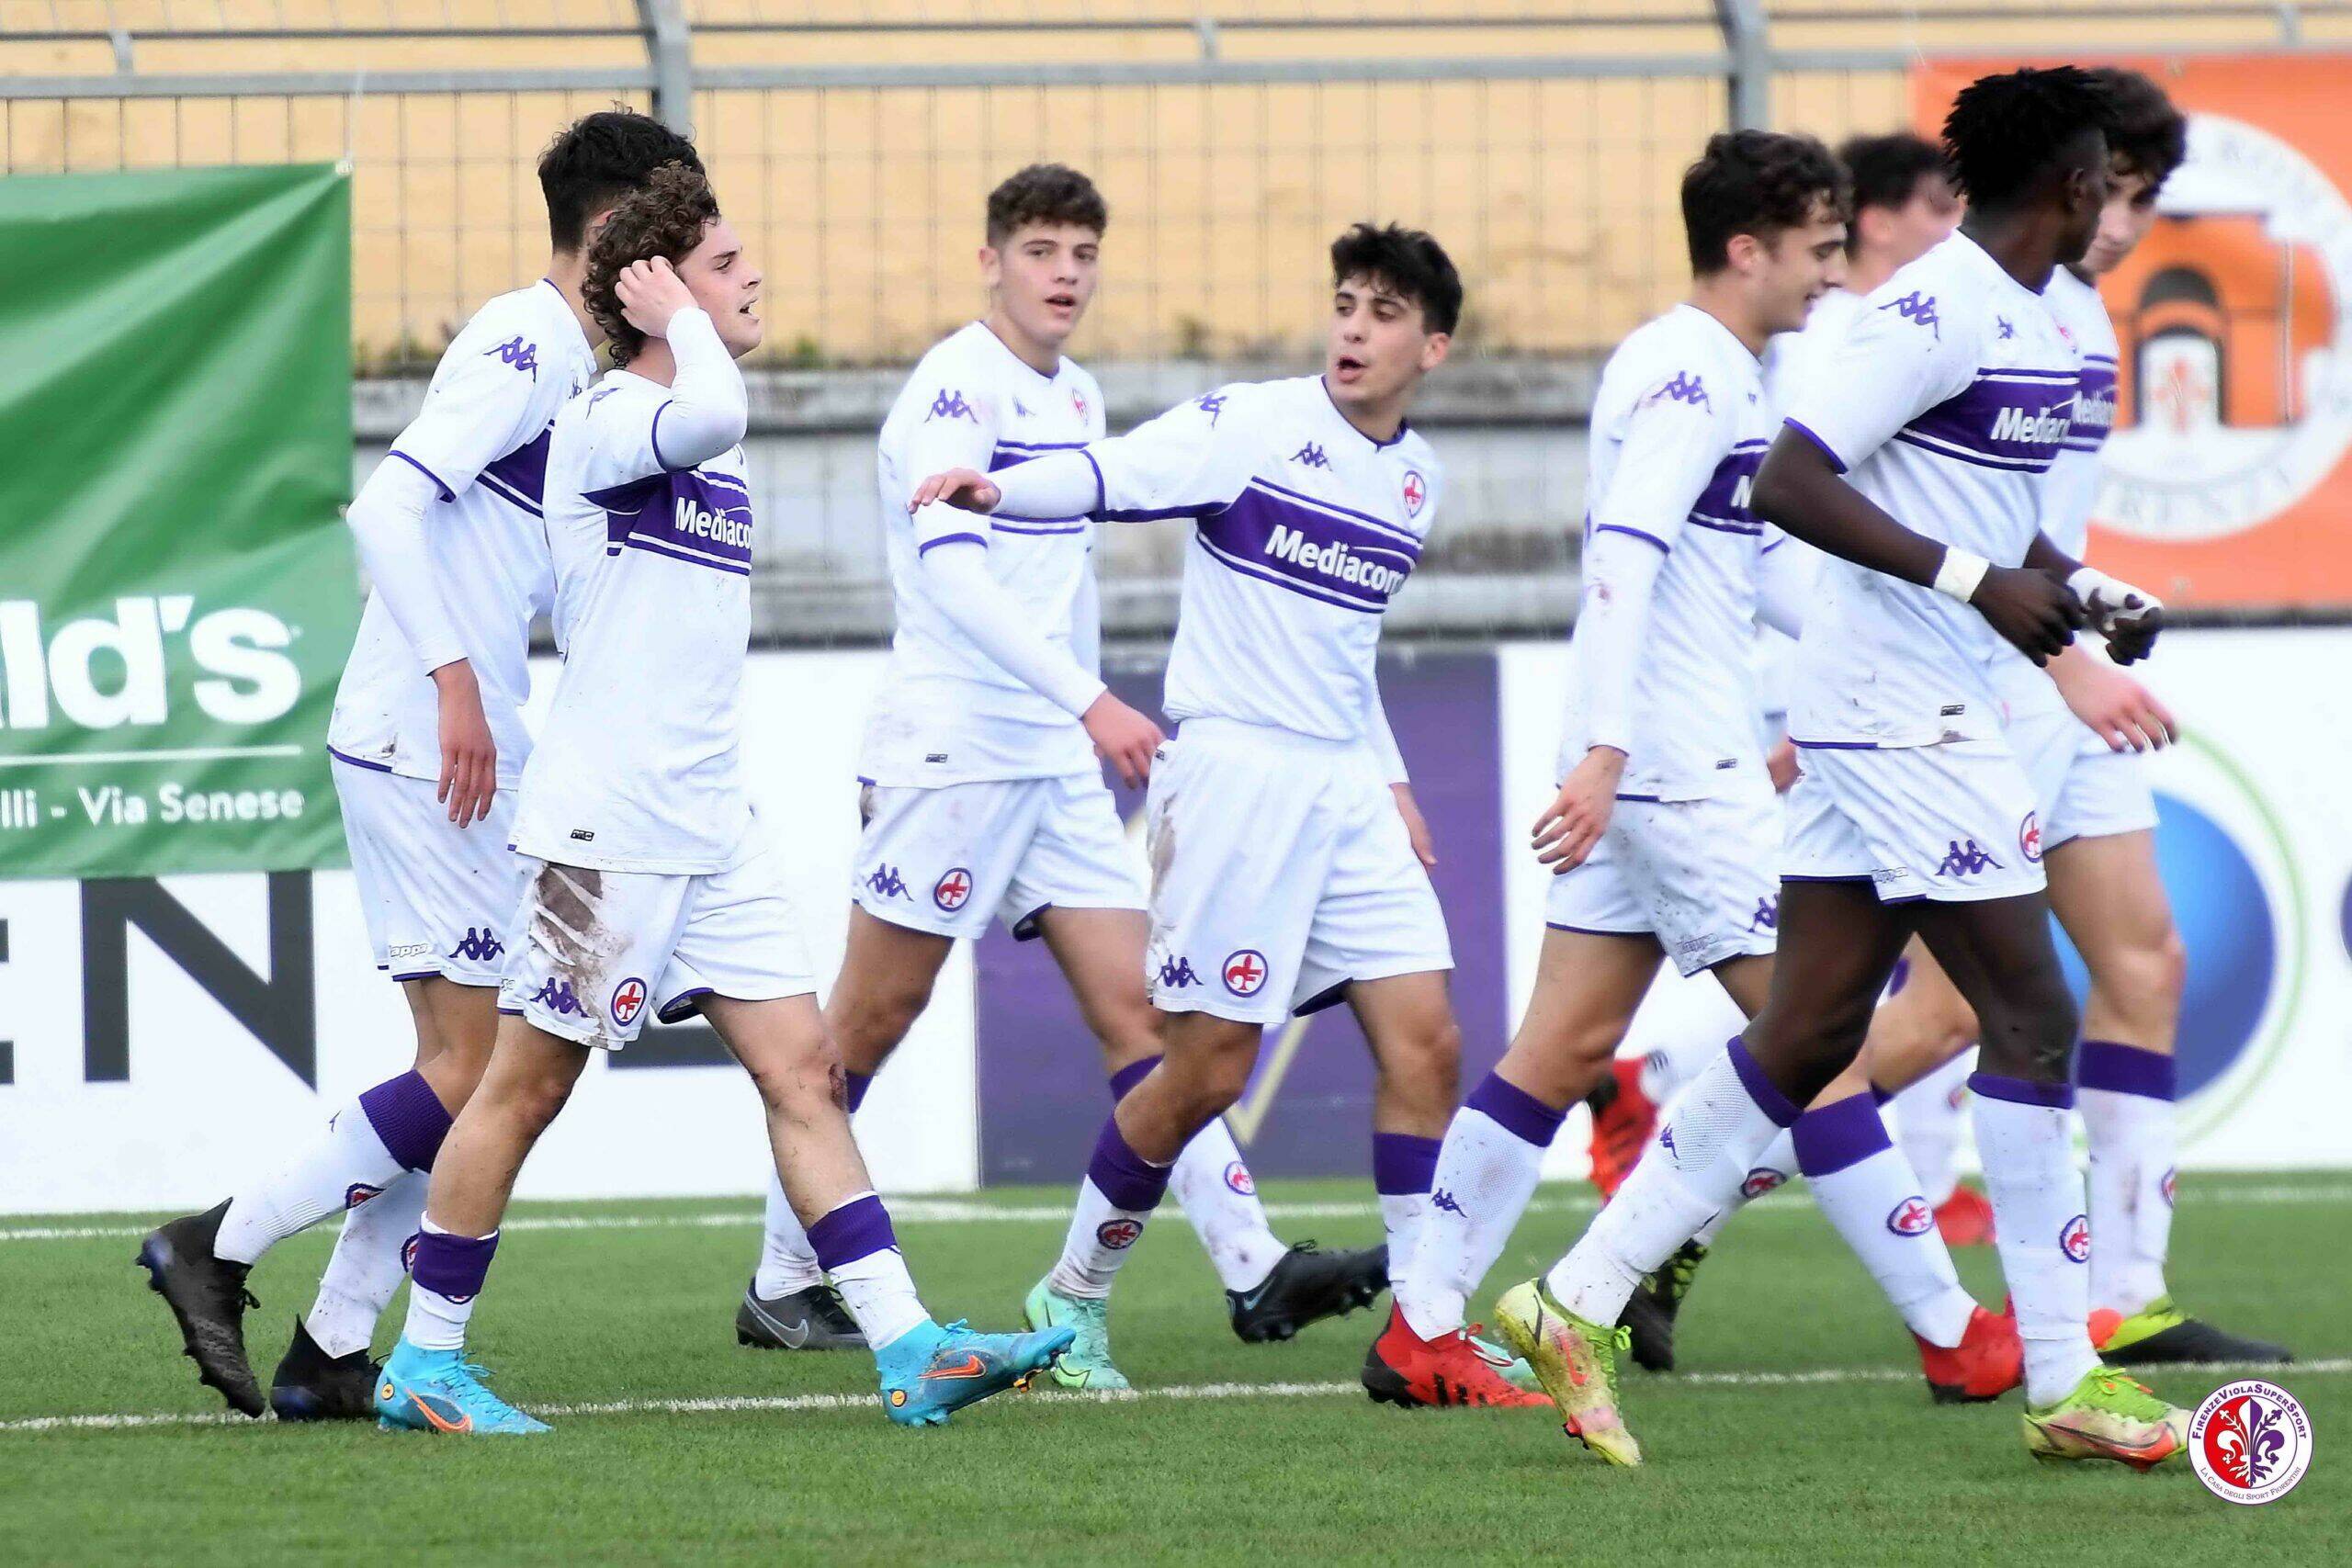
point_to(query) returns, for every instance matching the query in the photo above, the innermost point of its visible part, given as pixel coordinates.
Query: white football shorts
(596, 951)
(1703, 877)
(949, 858)
(2085, 789)
(1282, 871)
(1953, 823)
(438, 899)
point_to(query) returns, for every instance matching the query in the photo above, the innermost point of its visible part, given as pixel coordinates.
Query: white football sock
(1773, 1170)
(1930, 1121)
(881, 1294)
(1220, 1197)
(787, 1262)
(1721, 1121)
(2127, 1107)
(2039, 1226)
(1101, 1232)
(366, 1269)
(1869, 1193)
(1402, 1215)
(350, 1161)
(1486, 1171)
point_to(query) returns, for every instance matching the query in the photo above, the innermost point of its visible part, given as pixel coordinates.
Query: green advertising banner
(176, 588)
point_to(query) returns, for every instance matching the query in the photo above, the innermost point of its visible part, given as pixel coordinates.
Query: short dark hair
(667, 218)
(1045, 193)
(598, 158)
(2005, 132)
(1887, 170)
(1755, 182)
(2145, 131)
(1409, 262)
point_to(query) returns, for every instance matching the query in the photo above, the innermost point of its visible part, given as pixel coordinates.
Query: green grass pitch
(1802, 1435)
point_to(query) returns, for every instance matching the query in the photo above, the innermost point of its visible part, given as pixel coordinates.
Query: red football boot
(1404, 1369)
(1622, 1119)
(1988, 1361)
(1965, 1219)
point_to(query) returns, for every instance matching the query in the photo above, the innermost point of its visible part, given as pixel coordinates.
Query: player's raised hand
(2034, 612)
(1123, 737)
(651, 293)
(1416, 826)
(468, 754)
(2117, 708)
(967, 487)
(1571, 826)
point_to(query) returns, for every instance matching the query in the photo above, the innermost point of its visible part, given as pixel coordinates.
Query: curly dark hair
(598, 158)
(666, 219)
(1408, 261)
(2145, 132)
(1759, 183)
(2007, 131)
(1045, 193)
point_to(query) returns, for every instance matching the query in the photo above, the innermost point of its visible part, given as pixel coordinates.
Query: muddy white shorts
(2083, 788)
(950, 858)
(596, 951)
(437, 899)
(1282, 871)
(1703, 877)
(1953, 823)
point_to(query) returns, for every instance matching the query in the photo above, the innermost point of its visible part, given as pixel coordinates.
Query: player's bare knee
(1427, 1057)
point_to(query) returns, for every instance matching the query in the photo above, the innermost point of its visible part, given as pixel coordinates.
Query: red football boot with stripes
(1404, 1369)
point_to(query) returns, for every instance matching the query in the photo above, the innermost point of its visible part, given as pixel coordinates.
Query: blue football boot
(931, 1372)
(439, 1391)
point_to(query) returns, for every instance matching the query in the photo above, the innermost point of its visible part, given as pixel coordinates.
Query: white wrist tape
(2111, 603)
(1960, 573)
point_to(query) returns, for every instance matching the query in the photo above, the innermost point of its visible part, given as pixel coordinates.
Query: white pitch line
(965, 1211)
(729, 1404)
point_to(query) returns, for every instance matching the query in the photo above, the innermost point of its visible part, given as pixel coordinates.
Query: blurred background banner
(2229, 478)
(176, 591)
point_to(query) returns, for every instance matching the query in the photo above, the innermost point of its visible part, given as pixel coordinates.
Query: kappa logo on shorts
(408, 949)
(2029, 837)
(479, 945)
(628, 1000)
(1245, 971)
(1175, 974)
(1118, 1235)
(2075, 1239)
(884, 880)
(557, 998)
(1912, 1216)
(1768, 914)
(953, 891)
(1967, 860)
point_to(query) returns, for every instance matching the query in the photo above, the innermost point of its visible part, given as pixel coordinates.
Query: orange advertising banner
(2228, 481)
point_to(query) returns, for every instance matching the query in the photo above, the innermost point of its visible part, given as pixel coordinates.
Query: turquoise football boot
(1086, 1365)
(931, 1372)
(439, 1391)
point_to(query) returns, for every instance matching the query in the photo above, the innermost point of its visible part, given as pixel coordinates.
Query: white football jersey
(1796, 358)
(945, 713)
(1947, 401)
(2072, 487)
(1680, 426)
(482, 437)
(636, 768)
(1303, 530)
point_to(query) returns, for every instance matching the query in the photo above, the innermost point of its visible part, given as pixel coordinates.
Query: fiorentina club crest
(1118, 1235)
(2075, 1239)
(1912, 1216)
(628, 1000)
(1238, 1177)
(2250, 1442)
(2029, 837)
(1760, 1181)
(952, 890)
(1078, 402)
(1416, 491)
(1245, 971)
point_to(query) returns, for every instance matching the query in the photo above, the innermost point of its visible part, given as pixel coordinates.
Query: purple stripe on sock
(1403, 1164)
(1127, 1078)
(1125, 1177)
(409, 1117)
(1515, 1111)
(2124, 1069)
(859, 1229)
(1769, 1100)
(856, 1085)
(1836, 1137)
(452, 1266)
(2023, 1091)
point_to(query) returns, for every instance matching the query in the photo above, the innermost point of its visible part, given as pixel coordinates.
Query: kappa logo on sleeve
(1684, 388)
(1920, 310)
(951, 405)
(1211, 404)
(520, 354)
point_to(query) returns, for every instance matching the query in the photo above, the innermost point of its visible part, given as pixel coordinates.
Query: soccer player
(428, 741)
(1665, 834)
(2078, 730)
(1289, 862)
(1946, 405)
(652, 886)
(983, 794)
